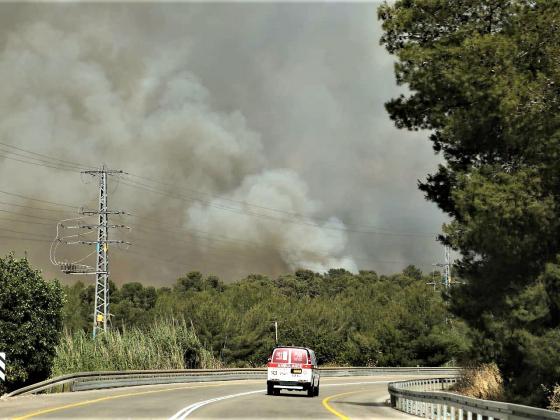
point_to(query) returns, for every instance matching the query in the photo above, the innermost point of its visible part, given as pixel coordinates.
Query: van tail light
(269, 364)
(306, 366)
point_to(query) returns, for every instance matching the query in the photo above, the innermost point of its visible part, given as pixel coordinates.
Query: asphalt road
(351, 397)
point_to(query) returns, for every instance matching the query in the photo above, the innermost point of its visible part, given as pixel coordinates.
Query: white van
(294, 369)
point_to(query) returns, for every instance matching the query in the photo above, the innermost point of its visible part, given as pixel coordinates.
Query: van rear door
(290, 365)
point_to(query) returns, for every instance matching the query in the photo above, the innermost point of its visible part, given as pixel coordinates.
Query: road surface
(350, 397)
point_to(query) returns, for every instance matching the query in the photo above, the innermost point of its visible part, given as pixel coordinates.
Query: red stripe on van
(272, 365)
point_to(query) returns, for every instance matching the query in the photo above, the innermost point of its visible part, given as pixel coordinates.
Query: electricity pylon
(101, 270)
(101, 304)
(446, 269)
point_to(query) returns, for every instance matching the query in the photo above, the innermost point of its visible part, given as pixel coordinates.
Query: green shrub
(30, 322)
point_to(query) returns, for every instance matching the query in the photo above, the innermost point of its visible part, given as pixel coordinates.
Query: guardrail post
(438, 415)
(479, 417)
(469, 415)
(452, 413)
(460, 415)
(2, 366)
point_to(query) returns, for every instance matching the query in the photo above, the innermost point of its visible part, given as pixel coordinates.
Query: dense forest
(349, 319)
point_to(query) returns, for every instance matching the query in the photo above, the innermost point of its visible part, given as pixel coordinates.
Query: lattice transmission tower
(101, 269)
(447, 267)
(446, 279)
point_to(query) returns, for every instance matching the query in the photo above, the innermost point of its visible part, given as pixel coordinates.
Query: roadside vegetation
(481, 381)
(167, 344)
(482, 79)
(349, 319)
(554, 398)
(30, 322)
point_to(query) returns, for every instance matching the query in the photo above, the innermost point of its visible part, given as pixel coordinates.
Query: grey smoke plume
(279, 106)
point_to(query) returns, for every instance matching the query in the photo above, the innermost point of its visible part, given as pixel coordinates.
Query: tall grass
(481, 381)
(554, 399)
(165, 344)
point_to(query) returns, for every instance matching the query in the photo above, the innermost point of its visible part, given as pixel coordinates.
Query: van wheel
(276, 392)
(270, 389)
(311, 391)
(317, 390)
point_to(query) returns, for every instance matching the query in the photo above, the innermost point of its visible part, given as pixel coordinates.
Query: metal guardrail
(425, 398)
(111, 379)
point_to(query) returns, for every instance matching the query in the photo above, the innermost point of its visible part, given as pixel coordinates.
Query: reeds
(165, 344)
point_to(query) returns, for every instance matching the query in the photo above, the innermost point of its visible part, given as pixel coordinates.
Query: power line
(158, 228)
(38, 200)
(259, 246)
(298, 215)
(303, 220)
(25, 221)
(25, 239)
(31, 207)
(144, 187)
(28, 215)
(23, 233)
(80, 166)
(39, 164)
(31, 159)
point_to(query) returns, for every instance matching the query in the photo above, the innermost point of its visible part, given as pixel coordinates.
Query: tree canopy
(484, 81)
(349, 319)
(30, 322)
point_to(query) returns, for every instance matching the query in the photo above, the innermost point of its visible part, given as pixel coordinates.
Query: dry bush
(554, 399)
(481, 381)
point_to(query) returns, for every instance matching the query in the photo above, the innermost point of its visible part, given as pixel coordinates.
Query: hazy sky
(266, 120)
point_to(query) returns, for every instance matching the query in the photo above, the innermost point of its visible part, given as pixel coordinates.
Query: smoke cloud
(264, 124)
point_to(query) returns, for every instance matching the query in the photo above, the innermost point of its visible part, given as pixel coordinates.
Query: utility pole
(101, 270)
(275, 331)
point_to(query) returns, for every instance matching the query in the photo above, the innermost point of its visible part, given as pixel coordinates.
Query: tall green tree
(484, 81)
(30, 322)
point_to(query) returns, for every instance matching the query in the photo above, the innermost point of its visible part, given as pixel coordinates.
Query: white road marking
(181, 414)
(185, 412)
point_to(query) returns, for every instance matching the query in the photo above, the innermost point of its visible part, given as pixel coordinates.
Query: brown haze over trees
(266, 104)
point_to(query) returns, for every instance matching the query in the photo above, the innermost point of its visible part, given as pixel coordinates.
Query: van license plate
(296, 370)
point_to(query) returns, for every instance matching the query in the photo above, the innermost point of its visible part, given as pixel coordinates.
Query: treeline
(349, 319)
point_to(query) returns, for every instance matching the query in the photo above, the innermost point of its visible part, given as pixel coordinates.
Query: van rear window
(280, 355)
(299, 356)
(289, 356)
